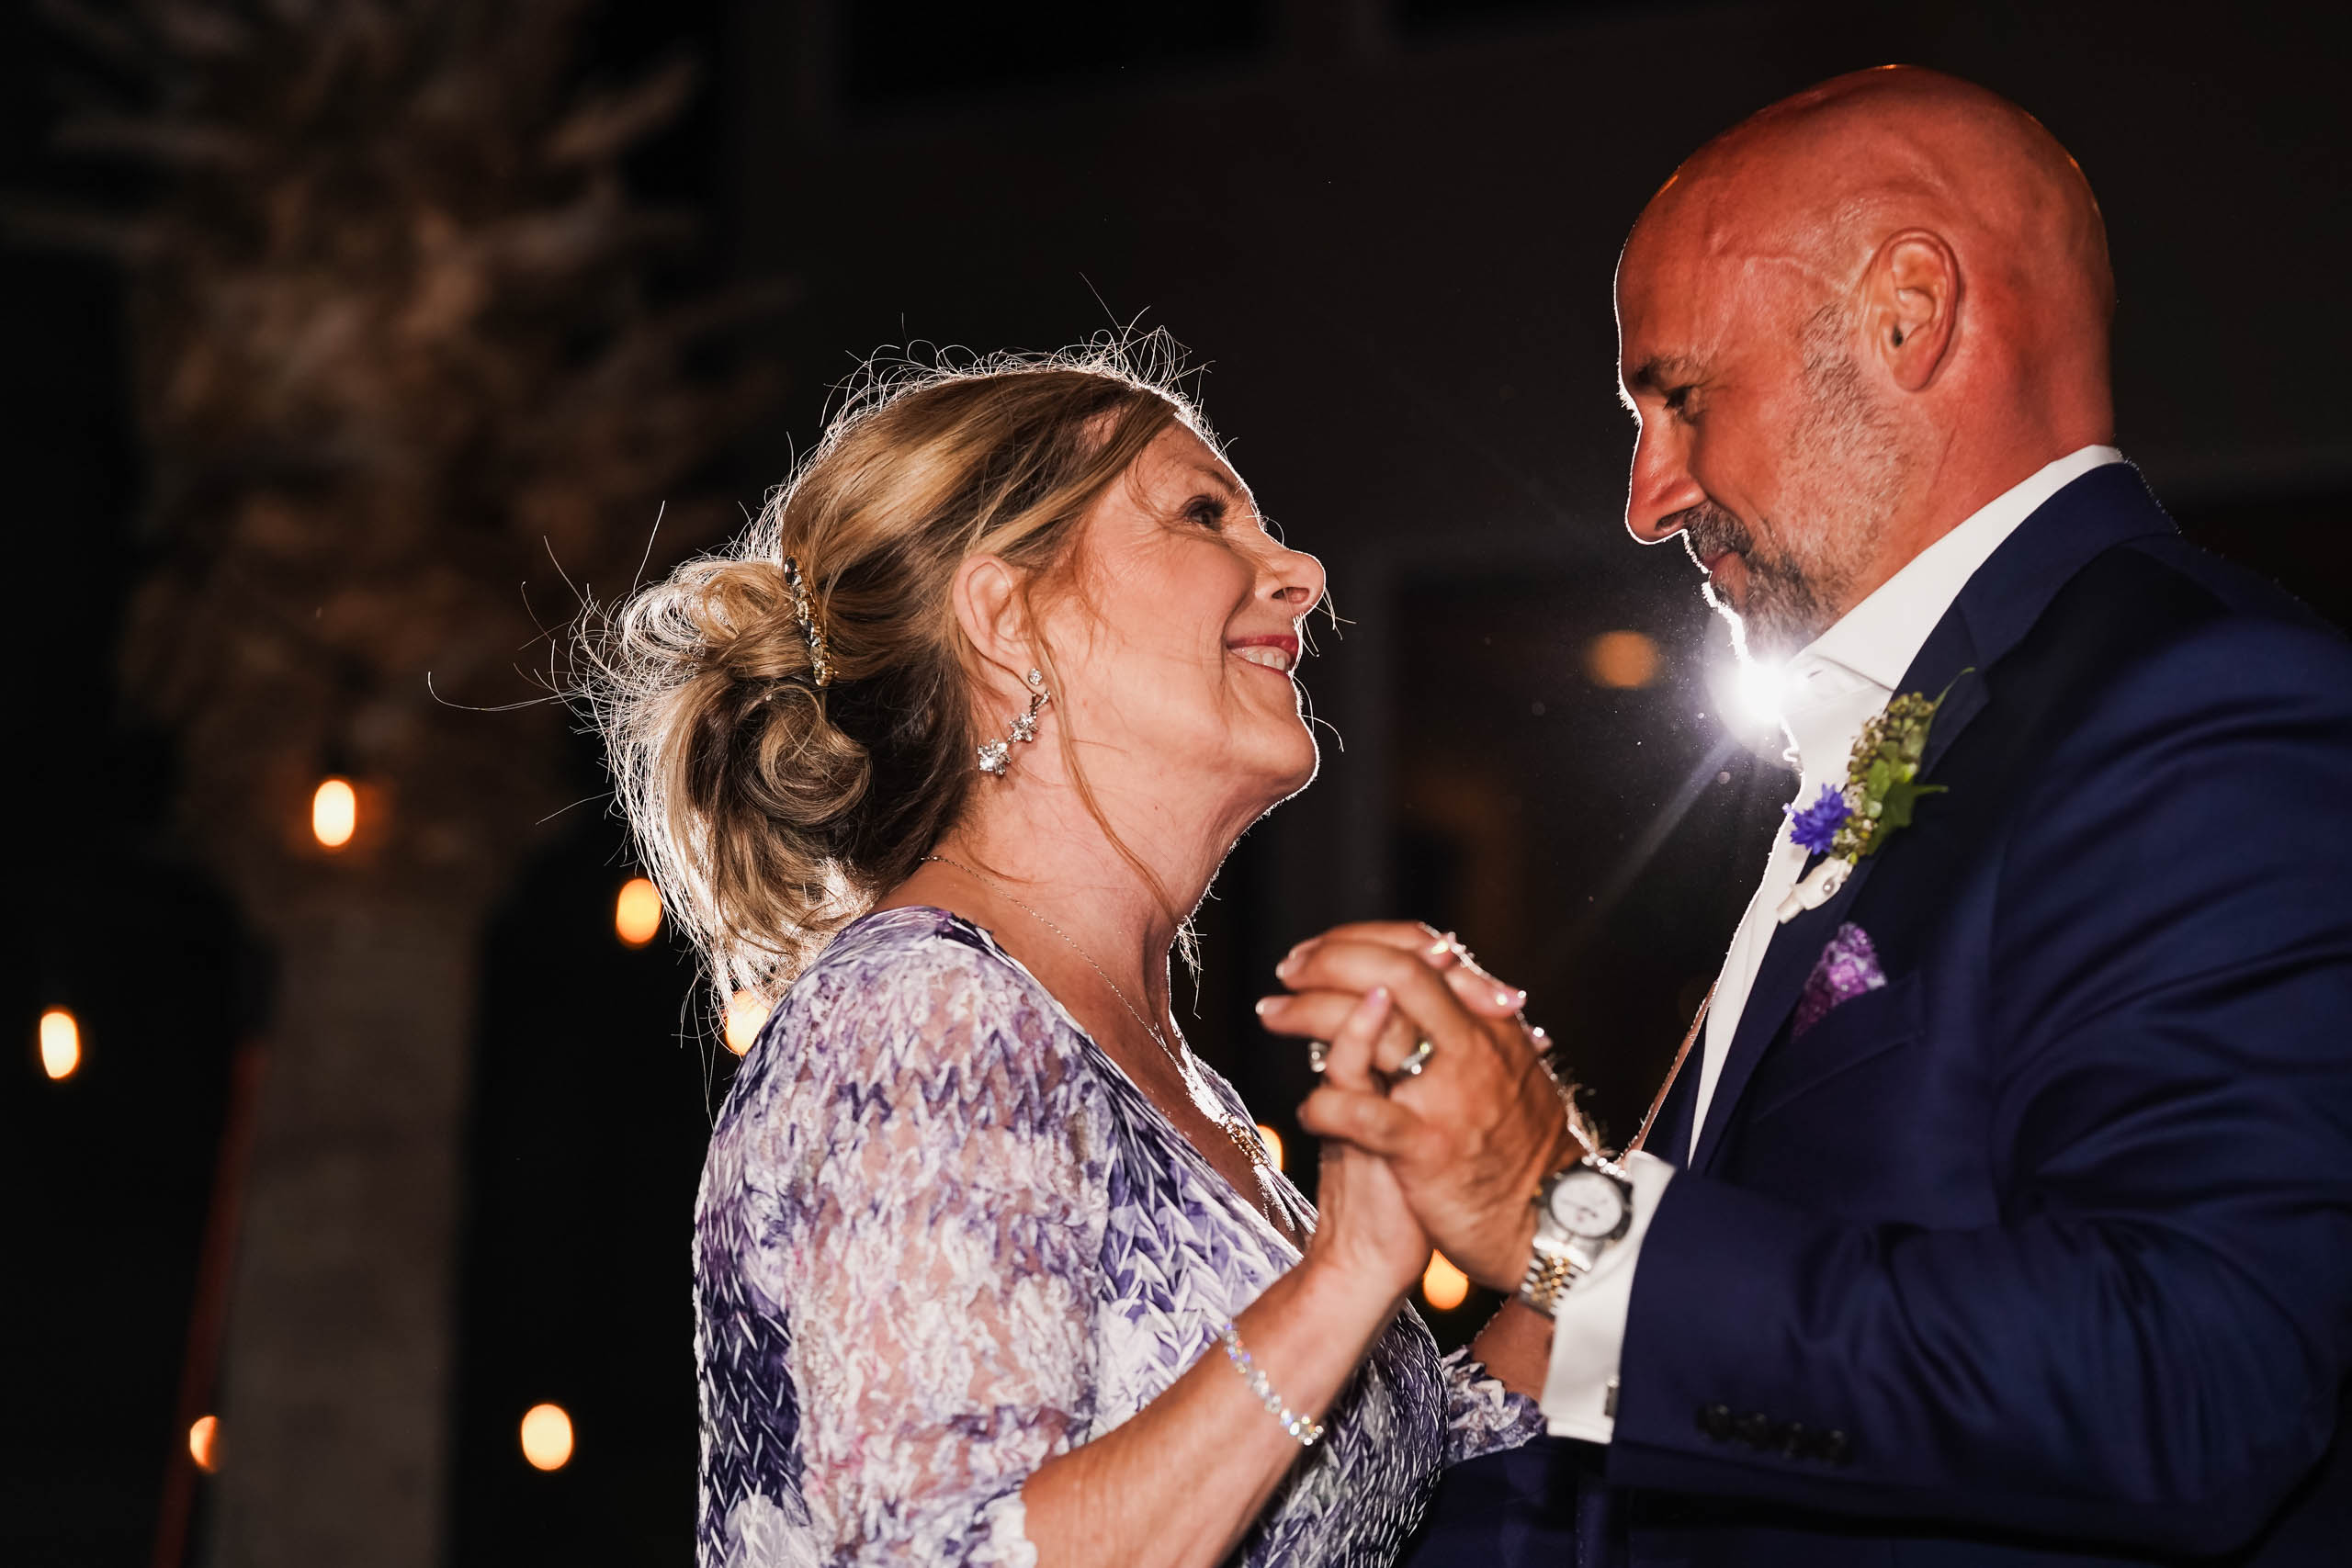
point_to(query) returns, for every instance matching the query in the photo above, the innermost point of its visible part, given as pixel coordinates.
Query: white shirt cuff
(1589, 1325)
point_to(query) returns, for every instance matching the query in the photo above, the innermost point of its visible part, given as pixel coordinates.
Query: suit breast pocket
(1851, 1036)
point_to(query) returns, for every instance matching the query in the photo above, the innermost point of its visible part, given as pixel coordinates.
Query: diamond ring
(1319, 1056)
(1416, 1061)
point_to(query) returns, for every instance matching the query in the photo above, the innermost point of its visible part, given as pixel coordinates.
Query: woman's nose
(1298, 579)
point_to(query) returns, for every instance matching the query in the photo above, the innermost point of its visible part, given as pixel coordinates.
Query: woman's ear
(1913, 305)
(986, 596)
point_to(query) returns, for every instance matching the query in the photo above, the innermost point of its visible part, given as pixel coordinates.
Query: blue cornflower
(1817, 825)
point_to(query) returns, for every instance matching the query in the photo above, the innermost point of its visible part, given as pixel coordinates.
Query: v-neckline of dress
(1292, 1201)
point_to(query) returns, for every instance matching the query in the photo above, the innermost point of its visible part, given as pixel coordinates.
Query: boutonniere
(1882, 789)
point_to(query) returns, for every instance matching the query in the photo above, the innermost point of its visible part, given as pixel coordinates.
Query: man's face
(1762, 442)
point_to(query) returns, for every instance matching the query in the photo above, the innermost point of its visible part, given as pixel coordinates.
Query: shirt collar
(1878, 638)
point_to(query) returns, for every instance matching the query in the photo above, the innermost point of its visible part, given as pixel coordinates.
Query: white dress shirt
(1829, 691)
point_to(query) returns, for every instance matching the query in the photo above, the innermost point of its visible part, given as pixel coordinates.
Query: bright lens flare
(1444, 1286)
(745, 1013)
(334, 813)
(637, 914)
(546, 1436)
(1273, 1142)
(61, 1044)
(1759, 691)
(204, 1443)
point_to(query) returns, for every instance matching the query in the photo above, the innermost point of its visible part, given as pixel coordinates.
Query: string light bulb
(637, 913)
(1273, 1142)
(334, 813)
(546, 1436)
(61, 1044)
(1444, 1286)
(204, 1443)
(1622, 661)
(745, 1013)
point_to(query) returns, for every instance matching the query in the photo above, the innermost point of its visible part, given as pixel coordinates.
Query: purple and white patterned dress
(942, 1238)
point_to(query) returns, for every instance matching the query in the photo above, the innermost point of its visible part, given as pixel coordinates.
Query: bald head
(1826, 175)
(1894, 289)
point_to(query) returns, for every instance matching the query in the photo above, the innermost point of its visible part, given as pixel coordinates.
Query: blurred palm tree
(398, 352)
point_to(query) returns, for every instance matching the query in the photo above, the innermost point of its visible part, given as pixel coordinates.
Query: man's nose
(1661, 488)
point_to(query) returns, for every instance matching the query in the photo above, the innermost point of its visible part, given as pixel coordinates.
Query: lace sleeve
(1482, 1417)
(939, 1250)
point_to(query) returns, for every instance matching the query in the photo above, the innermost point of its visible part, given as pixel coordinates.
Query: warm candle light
(745, 1013)
(334, 813)
(546, 1436)
(204, 1443)
(637, 914)
(1274, 1144)
(1444, 1286)
(61, 1044)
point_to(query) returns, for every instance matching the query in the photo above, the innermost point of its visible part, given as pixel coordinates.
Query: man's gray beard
(1790, 602)
(1784, 609)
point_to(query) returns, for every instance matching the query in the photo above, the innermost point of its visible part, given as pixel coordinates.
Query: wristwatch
(1580, 1213)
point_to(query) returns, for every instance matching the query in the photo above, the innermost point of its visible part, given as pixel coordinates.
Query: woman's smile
(1277, 651)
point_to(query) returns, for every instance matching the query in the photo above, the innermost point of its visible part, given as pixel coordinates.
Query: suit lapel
(1670, 1139)
(1993, 611)
(1789, 957)
(1787, 961)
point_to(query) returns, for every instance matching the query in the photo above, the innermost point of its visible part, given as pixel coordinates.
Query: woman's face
(1177, 651)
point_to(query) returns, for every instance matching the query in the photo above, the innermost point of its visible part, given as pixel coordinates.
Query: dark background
(1386, 230)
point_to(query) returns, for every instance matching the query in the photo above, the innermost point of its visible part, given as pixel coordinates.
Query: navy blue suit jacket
(2041, 1253)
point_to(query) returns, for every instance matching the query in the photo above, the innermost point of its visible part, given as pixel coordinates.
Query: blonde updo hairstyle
(771, 811)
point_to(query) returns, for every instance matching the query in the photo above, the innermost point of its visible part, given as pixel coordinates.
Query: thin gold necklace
(1245, 1139)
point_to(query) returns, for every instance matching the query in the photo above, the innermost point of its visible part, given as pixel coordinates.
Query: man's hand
(1471, 1137)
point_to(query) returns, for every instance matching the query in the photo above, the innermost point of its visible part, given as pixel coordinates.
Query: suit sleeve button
(1755, 1429)
(1795, 1442)
(1834, 1446)
(1715, 1421)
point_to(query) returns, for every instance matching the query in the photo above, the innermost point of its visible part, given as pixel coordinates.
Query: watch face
(1587, 1204)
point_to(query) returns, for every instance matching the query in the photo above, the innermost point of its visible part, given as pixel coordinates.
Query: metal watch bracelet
(1558, 1256)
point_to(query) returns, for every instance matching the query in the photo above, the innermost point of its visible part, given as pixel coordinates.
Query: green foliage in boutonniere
(1883, 780)
(1882, 789)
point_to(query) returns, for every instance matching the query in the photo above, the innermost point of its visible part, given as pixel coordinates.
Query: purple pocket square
(1846, 968)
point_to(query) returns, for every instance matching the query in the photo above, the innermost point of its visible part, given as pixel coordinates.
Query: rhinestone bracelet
(1306, 1432)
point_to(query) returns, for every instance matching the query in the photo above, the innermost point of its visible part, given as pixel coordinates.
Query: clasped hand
(1469, 1138)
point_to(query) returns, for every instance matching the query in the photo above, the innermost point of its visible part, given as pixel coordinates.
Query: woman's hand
(1364, 1227)
(1472, 1134)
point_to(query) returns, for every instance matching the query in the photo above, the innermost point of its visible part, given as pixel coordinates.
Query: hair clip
(804, 610)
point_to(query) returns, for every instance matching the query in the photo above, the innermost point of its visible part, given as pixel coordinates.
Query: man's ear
(986, 596)
(1913, 305)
